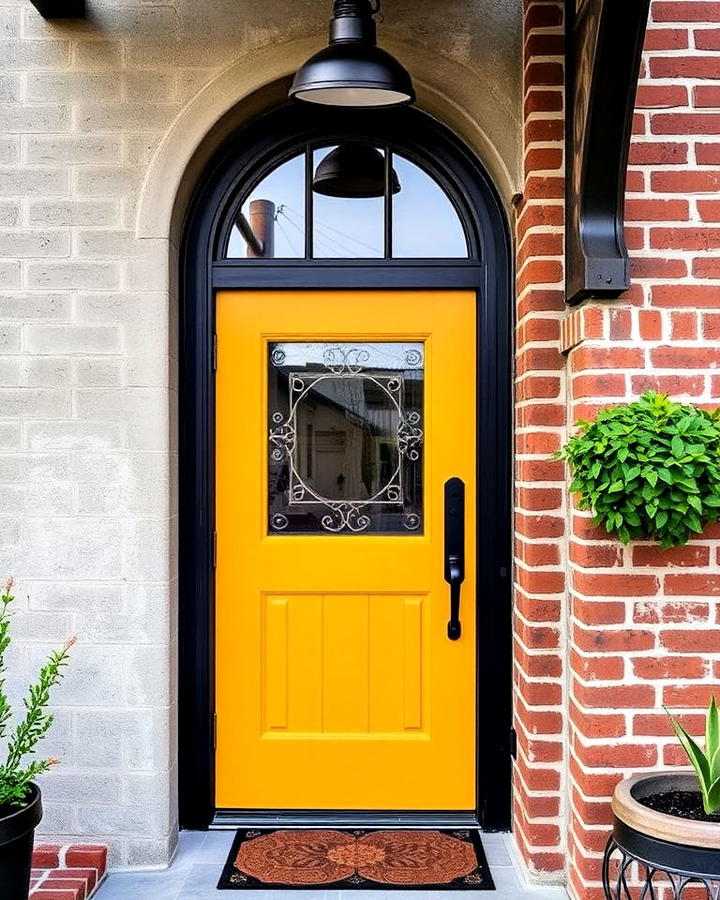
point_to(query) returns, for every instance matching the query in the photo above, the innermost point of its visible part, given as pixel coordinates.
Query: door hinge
(513, 743)
(215, 353)
(214, 549)
(215, 731)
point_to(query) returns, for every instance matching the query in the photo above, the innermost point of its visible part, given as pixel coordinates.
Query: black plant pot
(17, 830)
(685, 851)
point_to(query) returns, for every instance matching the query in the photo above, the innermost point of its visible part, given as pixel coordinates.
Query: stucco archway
(446, 90)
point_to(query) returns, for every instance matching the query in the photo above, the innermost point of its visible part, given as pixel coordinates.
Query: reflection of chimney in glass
(258, 229)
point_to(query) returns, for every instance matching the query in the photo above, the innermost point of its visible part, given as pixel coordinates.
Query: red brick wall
(644, 623)
(540, 420)
(643, 626)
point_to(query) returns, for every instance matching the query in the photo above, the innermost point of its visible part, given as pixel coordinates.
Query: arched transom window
(349, 200)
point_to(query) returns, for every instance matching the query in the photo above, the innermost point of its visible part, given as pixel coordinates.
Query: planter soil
(684, 804)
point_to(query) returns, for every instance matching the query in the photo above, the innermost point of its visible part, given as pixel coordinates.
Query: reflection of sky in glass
(345, 228)
(391, 355)
(425, 223)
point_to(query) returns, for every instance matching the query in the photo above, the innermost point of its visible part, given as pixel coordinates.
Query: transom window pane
(351, 226)
(345, 438)
(425, 223)
(274, 214)
(353, 214)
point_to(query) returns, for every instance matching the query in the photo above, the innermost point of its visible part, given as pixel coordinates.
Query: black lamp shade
(353, 74)
(353, 170)
(353, 70)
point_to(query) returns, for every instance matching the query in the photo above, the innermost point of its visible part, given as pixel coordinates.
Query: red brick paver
(67, 873)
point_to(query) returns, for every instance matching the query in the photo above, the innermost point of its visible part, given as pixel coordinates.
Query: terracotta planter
(17, 831)
(690, 833)
(683, 848)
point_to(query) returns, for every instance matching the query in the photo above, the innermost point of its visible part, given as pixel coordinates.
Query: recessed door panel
(343, 664)
(340, 418)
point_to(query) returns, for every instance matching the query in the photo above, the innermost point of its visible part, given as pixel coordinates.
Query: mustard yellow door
(340, 416)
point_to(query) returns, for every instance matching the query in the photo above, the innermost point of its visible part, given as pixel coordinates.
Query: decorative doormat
(359, 858)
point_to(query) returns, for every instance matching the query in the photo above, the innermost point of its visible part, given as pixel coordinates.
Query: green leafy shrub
(648, 469)
(17, 771)
(706, 764)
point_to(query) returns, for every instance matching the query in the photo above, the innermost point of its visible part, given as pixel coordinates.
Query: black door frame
(242, 160)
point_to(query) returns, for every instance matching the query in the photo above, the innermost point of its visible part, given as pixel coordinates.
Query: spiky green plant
(706, 763)
(17, 771)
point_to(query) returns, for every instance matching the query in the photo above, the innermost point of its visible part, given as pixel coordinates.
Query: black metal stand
(679, 864)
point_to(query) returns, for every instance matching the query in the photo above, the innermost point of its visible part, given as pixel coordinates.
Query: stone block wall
(87, 400)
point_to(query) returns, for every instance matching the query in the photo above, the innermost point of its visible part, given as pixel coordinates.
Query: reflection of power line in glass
(324, 244)
(329, 250)
(347, 236)
(325, 237)
(287, 237)
(299, 228)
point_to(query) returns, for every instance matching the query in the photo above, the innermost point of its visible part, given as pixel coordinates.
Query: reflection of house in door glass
(331, 452)
(345, 438)
(350, 425)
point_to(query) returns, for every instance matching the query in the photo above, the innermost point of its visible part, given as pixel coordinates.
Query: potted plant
(648, 469)
(20, 802)
(670, 821)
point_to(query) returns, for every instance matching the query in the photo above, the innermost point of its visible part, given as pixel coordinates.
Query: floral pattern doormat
(358, 858)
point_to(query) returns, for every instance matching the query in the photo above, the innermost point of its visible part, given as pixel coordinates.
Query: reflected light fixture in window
(352, 70)
(353, 170)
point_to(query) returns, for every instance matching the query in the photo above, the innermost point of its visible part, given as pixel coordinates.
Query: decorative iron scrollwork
(345, 362)
(351, 515)
(410, 436)
(618, 885)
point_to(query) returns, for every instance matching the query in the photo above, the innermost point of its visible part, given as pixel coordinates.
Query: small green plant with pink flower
(20, 767)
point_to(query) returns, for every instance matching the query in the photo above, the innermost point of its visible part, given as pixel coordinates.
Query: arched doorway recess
(311, 271)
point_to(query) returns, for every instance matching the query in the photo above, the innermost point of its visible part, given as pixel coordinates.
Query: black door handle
(454, 550)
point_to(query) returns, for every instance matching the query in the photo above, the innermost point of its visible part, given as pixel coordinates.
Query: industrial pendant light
(353, 70)
(353, 170)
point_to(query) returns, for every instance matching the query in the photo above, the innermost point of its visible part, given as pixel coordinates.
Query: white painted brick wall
(87, 399)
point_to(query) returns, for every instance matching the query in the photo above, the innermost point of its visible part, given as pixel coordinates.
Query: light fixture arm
(356, 7)
(352, 20)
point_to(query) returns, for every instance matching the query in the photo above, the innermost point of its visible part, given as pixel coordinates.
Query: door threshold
(314, 818)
